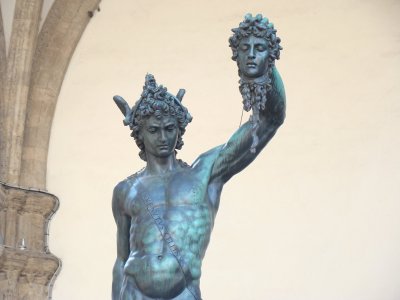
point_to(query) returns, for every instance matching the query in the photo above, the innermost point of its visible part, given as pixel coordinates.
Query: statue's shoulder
(132, 179)
(128, 185)
(206, 160)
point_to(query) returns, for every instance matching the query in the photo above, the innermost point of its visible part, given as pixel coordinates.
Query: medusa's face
(159, 135)
(252, 56)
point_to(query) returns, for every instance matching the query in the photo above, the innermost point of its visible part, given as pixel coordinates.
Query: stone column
(31, 75)
(17, 79)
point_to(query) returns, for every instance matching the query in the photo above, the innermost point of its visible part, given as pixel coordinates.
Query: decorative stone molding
(26, 272)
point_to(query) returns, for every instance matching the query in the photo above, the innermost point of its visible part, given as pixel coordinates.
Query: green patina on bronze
(165, 213)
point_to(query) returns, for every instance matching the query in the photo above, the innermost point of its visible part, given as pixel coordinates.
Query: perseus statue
(165, 212)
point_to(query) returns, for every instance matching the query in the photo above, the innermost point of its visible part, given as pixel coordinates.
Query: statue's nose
(162, 136)
(251, 53)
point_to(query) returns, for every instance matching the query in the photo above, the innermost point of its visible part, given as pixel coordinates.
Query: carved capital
(28, 272)
(40, 270)
(40, 203)
(15, 200)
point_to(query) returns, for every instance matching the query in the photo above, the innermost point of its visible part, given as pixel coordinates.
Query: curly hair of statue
(254, 93)
(154, 100)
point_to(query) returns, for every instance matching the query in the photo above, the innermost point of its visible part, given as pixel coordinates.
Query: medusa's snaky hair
(257, 26)
(155, 100)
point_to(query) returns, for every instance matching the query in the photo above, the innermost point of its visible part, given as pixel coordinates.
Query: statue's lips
(251, 65)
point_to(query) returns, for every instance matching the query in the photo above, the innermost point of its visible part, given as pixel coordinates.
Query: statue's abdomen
(156, 276)
(156, 271)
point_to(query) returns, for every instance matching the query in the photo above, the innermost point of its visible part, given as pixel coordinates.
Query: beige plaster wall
(315, 217)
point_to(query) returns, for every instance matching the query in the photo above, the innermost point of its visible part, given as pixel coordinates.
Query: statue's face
(252, 56)
(159, 135)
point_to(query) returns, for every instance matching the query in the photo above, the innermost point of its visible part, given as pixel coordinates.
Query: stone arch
(57, 41)
(31, 75)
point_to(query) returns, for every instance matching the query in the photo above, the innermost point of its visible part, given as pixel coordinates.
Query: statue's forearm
(274, 112)
(235, 154)
(118, 272)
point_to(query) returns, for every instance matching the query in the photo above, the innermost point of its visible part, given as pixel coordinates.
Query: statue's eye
(170, 128)
(244, 47)
(152, 129)
(261, 48)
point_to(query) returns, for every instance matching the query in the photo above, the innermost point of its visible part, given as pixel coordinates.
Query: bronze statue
(165, 212)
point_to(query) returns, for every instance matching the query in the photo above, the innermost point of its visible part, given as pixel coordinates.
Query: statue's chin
(157, 277)
(255, 78)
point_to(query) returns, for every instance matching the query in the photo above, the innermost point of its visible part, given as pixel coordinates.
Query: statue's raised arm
(165, 212)
(255, 48)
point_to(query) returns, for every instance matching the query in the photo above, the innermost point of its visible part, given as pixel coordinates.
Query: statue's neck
(258, 80)
(160, 165)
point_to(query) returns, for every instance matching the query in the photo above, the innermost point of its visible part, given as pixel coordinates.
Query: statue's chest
(169, 192)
